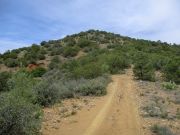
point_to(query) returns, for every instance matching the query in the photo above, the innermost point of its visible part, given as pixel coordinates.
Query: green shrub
(4, 77)
(143, 69)
(35, 48)
(21, 85)
(41, 56)
(43, 43)
(169, 85)
(55, 62)
(105, 68)
(55, 74)
(11, 62)
(70, 51)
(47, 93)
(88, 49)
(18, 114)
(18, 117)
(55, 87)
(144, 72)
(84, 43)
(116, 63)
(70, 42)
(56, 51)
(161, 130)
(83, 87)
(159, 62)
(91, 70)
(29, 58)
(95, 86)
(13, 55)
(38, 72)
(172, 71)
(43, 51)
(10, 54)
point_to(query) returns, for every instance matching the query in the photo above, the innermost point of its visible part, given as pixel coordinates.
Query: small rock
(55, 127)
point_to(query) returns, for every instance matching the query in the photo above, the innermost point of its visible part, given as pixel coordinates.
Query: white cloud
(6, 44)
(148, 19)
(123, 16)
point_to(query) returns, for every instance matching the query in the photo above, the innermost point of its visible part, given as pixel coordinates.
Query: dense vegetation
(4, 77)
(146, 56)
(25, 92)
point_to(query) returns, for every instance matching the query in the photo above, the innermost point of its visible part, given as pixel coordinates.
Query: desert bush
(38, 72)
(35, 48)
(29, 58)
(152, 110)
(70, 42)
(13, 55)
(41, 56)
(18, 113)
(84, 43)
(169, 85)
(10, 54)
(55, 62)
(116, 63)
(143, 69)
(43, 51)
(56, 51)
(18, 117)
(70, 51)
(4, 77)
(161, 130)
(172, 70)
(43, 43)
(59, 51)
(69, 66)
(88, 49)
(159, 62)
(156, 110)
(47, 93)
(11, 62)
(47, 45)
(52, 52)
(83, 87)
(95, 86)
(21, 85)
(55, 74)
(91, 70)
(53, 89)
(6, 55)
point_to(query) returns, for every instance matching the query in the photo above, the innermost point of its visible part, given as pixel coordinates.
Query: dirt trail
(114, 114)
(122, 117)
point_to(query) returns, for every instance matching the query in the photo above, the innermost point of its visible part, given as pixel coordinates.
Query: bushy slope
(77, 65)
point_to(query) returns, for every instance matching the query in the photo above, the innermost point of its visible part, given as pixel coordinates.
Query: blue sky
(23, 22)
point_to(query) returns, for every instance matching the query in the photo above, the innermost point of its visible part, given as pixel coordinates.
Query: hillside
(90, 66)
(85, 42)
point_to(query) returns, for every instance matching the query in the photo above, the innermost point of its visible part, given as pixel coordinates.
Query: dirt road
(114, 114)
